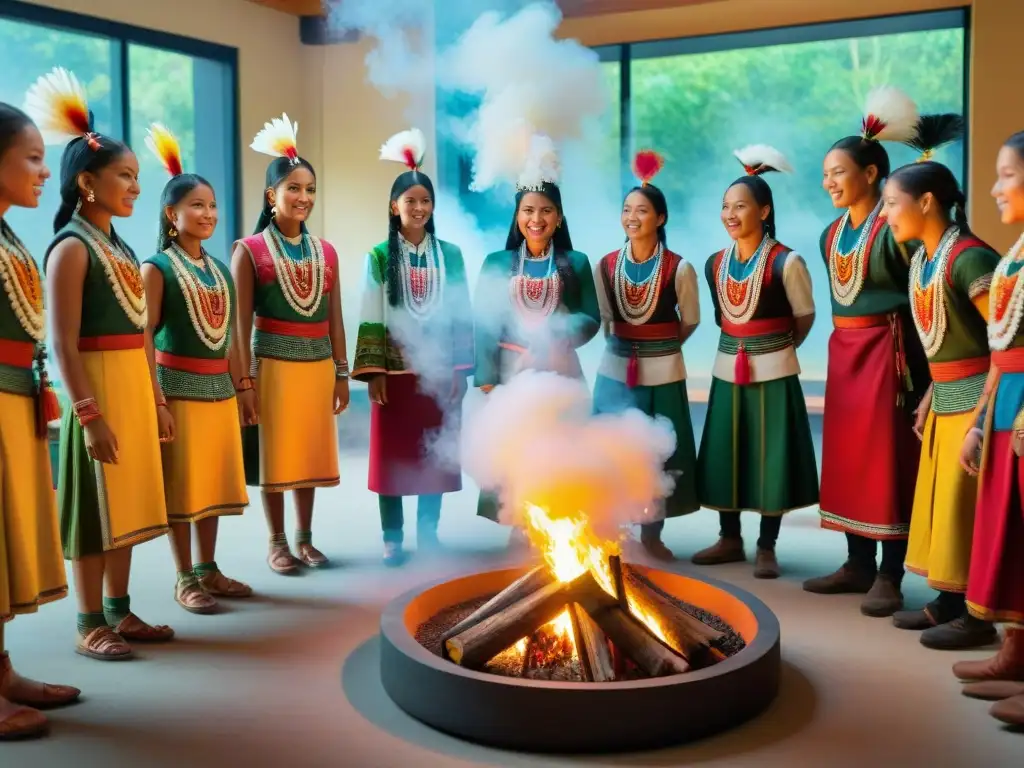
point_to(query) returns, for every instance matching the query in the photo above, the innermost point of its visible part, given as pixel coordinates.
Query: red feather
(291, 153)
(410, 158)
(646, 165)
(871, 126)
(174, 166)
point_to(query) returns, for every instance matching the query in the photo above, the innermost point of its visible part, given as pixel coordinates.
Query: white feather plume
(278, 138)
(57, 104)
(757, 156)
(541, 166)
(889, 115)
(408, 147)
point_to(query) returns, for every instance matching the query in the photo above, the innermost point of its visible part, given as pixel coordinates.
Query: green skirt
(756, 453)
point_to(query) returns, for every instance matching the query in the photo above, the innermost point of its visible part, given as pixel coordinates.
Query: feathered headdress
(541, 167)
(889, 115)
(407, 147)
(57, 105)
(758, 159)
(164, 145)
(934, 131)
(646, 165)
(278, 139)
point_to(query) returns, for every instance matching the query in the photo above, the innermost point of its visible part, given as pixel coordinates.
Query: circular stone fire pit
(543, 716)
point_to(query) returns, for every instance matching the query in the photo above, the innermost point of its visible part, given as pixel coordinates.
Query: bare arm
(65, 280)
(154, 282)
(245, 286)
(337, 324)
(802, 327)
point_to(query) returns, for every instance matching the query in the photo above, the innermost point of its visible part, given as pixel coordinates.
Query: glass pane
(800, 98)
(28, 51)
(188, 95)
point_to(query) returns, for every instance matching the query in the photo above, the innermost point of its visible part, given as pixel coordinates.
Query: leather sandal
(310, 556)
(135, 629)
(104, 644)
(191, 596)
(282, 561)
(18, 722)
(219, 585)
(32, 693)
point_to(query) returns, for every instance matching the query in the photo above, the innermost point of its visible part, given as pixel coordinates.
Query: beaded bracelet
(245, 384)
(87, 410)
(341, 369)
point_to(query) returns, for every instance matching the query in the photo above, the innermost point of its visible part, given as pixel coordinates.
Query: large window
(133, 77)
(696, 100)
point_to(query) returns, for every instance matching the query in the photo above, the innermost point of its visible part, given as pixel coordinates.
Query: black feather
(934, 131)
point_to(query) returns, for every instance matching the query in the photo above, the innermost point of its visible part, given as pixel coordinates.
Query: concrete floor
(290, 678)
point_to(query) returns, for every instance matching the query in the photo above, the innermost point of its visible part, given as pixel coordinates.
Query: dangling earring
(172, 233)
(91, 197)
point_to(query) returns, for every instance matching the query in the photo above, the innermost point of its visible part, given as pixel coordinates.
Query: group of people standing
(188, 381)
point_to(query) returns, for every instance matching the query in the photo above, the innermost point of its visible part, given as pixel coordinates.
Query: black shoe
(959, 634)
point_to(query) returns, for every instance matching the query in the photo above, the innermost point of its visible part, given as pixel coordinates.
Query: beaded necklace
(122, 271)
(846, 270)
(1007, 299)
(637, 300)
(928, 292)
(535, 298)
(20, 276)
(207, 297)
(738, 298)
(302, 280)
(423, 286)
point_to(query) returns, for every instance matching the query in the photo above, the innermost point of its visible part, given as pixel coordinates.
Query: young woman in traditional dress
(110, 488)
(995, 587)
(189, 297)
(535, 301)
(950, 275)
(649, 308)
(287, 279)
(31, 568)
(877, 371)
(415, 350)
(756, 452)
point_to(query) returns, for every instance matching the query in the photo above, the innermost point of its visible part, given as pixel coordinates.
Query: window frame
(125, 35)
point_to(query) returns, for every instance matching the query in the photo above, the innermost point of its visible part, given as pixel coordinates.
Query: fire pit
(601, 658)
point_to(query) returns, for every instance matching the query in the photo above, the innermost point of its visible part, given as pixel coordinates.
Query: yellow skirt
(298, 432)
(109, 506)
(203, 471)
(31, 567)
(942, 524)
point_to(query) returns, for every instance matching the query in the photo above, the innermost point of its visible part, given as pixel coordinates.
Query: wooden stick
(592, 647)
(475, 646)
(525, 585)
(634, 640)
(615, 563)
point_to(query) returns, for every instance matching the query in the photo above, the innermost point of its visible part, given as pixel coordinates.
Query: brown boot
(656, 549)
(1008, 664)
(848, 580)
(883, 599)
(18, 722)
(993, 690)
(721, 552)
(766, 565)
(21, 690)
(1009, 711)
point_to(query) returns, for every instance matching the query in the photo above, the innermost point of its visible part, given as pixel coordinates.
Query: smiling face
(844, 180)
(906, 216)
(195, 214)
(23, 171)
(1009, 187)
(639, 219)
(415, 206)
(741, 215)
(537, 218)
(115, 186)
(294, 197)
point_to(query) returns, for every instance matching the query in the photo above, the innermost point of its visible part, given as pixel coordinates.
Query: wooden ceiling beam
(570, 8)
(294, 7)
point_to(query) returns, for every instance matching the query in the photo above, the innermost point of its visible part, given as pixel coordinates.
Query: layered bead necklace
(423, 285)
(637, 299)
(846, 271)
(1006, 298)
(20, 276)
(207, 297)
(738, 298)
(302, 280)
(535, 298)
(928, 292)
(122, 271)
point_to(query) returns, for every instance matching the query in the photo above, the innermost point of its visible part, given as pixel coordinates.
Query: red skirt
(995, 587)
(869, 450)
(401, 432)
